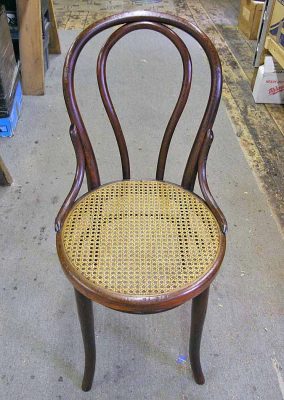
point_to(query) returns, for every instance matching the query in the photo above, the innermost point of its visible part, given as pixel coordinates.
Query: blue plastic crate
(8, 124)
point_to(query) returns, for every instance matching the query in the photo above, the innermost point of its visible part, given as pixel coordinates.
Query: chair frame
(195, 166)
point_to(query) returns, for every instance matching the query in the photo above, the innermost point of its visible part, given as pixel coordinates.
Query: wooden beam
(5, 177)
(54, 43)
(31, 46)
(276, 49)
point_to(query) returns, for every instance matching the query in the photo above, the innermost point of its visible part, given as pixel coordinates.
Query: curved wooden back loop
(154, 21)
(181, 102)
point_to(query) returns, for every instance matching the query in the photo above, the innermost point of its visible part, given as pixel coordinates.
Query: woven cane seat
(140, 238)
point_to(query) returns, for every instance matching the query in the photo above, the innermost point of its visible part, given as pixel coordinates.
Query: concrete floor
(41, 348)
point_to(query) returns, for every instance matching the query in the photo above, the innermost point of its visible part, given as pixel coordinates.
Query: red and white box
(269, 83)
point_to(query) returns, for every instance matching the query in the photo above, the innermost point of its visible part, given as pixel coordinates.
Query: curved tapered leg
(86, 317)
(198, 312)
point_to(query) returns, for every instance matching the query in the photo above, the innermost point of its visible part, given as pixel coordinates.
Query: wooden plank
(5, 177)
(275, 49)
(31, 46)
(54, 43)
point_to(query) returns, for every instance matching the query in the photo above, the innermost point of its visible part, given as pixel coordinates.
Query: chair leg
(198, 312)
(86, 317)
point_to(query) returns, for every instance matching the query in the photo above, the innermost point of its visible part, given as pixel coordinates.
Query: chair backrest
(159, 22)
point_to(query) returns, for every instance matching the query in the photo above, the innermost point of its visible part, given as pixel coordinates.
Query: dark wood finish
(196, 164)
(196, 161)
(86, 317)
(181, 102)
(78, 179)
(139, 304)
(129, 18)
(198, 313)
(210, 201)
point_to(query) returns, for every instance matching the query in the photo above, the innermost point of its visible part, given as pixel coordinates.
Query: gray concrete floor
(41, 349)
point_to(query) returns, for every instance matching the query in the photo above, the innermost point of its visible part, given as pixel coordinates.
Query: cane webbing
(140, 237)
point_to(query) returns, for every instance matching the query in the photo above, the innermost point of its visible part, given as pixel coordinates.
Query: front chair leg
(86, 317)
(198, 312)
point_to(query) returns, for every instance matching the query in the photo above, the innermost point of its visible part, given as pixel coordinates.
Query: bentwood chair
(142, 246)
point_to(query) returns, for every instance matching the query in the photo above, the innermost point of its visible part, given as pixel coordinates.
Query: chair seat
(139, 238)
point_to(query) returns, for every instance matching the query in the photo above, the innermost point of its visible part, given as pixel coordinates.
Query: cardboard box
(250, 16)
(269, 83)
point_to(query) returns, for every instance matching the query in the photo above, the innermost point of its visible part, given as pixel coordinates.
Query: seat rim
(143, 303)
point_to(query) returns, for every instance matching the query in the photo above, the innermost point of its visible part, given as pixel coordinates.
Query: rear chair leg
(86, 317)
(198, 313)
